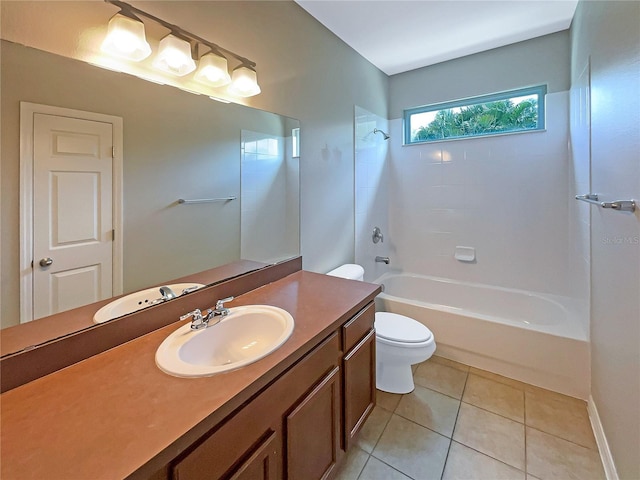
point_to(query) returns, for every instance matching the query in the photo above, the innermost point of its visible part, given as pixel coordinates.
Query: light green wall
(542, 60)
(608, 34)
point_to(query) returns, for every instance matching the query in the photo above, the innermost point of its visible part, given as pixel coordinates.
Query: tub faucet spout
(384, 260)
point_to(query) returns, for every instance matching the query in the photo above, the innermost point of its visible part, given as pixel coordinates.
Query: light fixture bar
(180, 31)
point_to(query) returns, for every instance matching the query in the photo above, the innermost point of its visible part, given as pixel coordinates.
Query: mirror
(176, 145)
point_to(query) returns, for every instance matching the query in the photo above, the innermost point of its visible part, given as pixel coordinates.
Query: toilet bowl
(400, 342)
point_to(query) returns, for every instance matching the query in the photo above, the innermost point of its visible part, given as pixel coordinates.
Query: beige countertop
(116, 414)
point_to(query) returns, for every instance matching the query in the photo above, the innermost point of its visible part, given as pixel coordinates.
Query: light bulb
(244, 82)
(126, 39)
(212, 70)
(174, 56)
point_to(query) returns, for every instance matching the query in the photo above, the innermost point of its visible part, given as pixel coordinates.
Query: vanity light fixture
(177, 51)
(174, 56)
(125, 38)
(244, 81)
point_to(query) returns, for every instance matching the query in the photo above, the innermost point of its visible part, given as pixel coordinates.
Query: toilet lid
(399, 328)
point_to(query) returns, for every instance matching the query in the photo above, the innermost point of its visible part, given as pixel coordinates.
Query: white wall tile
(508, 196)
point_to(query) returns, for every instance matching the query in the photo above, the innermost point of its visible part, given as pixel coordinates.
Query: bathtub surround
(506, 196)
(606, 33)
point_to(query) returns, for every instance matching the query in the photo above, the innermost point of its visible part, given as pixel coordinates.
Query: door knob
(45, 262)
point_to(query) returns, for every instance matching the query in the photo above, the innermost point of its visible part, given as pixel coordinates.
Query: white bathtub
(531, 337)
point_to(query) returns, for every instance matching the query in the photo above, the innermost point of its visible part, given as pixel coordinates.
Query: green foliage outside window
(501, 113)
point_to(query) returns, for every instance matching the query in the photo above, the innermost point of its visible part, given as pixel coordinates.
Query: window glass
(505, 112)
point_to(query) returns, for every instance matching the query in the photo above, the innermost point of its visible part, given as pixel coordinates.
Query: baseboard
(601, 439)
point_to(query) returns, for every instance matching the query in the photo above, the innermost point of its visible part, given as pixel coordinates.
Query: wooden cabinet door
(359, 385)
(313, 431)
(263, 464)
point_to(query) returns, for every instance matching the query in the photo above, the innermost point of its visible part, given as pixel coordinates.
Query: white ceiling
(402, 35)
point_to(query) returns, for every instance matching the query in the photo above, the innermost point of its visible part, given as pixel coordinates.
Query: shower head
(385, 135)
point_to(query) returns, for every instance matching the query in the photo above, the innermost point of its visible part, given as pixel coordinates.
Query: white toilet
(400, 342)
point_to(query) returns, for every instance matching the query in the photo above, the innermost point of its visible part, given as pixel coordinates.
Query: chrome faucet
(167, 293)
(384, 260)
(199, 321)
(190, 289)
(220, 310)
(377, 235)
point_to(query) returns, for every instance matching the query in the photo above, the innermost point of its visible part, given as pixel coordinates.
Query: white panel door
(72, 213)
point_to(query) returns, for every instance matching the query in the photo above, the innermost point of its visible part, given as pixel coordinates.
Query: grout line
(455, 423)
(382, 431)
(390, 466)
(498, 414)
(563, 439)
(430, 429)
(363, 467)
(441, 393)
(488, 456)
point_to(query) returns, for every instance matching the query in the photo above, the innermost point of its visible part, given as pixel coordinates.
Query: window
(295, 142)
(506, 112)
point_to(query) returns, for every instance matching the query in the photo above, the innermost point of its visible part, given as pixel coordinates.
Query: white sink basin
(138, 300)
(244, 336)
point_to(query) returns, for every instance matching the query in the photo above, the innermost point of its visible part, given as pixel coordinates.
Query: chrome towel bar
(205, 200)
(621, 205)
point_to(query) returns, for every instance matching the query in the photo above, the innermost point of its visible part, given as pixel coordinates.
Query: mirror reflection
(235, 168)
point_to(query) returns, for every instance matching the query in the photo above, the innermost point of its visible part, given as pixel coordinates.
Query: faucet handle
(220, 303)
(195, 314)
(377, 235)
(197, 320)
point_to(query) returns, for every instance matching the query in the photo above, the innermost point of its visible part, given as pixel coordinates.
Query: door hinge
(113, 235)
(113, 152)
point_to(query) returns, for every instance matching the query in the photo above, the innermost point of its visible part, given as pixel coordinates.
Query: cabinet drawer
(355, 329)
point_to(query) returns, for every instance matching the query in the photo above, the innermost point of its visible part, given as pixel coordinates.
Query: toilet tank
(349, 271)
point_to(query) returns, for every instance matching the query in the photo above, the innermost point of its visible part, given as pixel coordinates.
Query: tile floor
(465, 423)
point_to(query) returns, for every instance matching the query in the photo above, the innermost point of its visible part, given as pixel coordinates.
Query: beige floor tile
(531, 477)
(491, 434)
(430, 409)
(372, 429)
(377, 470)
(352, 465)
(553, 458)
(559, 415)
(494, 396)
(498, 378)
(464, 463)
(386, 400)
(449, 363)
(414, 450)
(441, 378)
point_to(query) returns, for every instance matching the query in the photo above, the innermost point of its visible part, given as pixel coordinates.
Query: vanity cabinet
(300, 426)
(313, 431)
